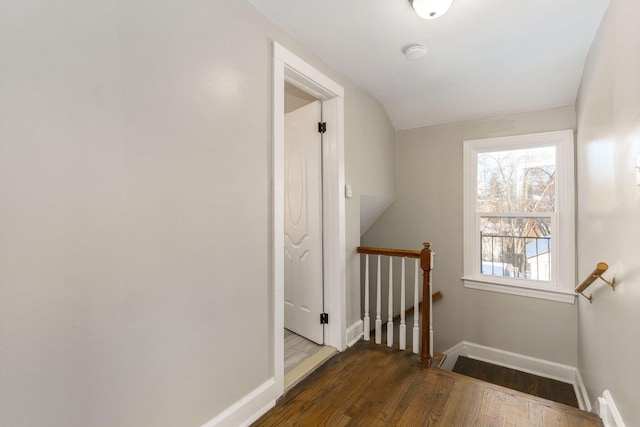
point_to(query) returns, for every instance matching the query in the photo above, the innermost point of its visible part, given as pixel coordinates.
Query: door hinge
(322, 127)
(324, 318)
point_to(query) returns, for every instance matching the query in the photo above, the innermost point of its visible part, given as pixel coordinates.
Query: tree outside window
(519, 229)
(516, 181)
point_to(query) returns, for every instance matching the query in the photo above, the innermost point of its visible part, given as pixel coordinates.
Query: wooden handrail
(435, 297)
(408, 312)
(388, 252)
(595, 274)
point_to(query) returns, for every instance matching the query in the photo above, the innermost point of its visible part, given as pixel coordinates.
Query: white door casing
(303, 293)
(289, 67)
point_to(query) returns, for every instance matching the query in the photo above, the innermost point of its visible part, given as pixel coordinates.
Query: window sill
(483, 284)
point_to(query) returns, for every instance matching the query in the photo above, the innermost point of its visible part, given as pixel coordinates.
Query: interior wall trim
(289, 67)
(354, 333)
(608, 411)
(248, 409)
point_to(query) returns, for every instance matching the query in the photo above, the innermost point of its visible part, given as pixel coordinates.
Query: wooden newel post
(425, 264)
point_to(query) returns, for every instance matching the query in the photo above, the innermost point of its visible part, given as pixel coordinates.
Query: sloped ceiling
(484, 58)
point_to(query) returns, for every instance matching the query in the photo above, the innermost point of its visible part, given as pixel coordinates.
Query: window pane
(517, 180)
(516, 247)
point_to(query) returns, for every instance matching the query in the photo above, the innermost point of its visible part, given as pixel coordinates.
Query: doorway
(303, 276)
(291, 69)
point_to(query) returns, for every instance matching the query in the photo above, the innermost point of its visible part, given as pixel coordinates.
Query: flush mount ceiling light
(430, 9)
(415, 51)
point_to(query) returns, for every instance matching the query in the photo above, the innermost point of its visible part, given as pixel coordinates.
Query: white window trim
(561, 287)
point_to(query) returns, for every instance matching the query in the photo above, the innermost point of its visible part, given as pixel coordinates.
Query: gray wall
(609, 209)
(429, 208)
(371, 172)
(135, 168)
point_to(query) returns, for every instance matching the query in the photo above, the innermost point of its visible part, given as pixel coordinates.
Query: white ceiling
(484, 57)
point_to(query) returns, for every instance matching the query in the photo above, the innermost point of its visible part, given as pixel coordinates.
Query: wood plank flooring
(375, 386)
(527, 383)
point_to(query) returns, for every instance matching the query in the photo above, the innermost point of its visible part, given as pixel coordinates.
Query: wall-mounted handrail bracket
(596, 274)
(611, 282)
(590, 297)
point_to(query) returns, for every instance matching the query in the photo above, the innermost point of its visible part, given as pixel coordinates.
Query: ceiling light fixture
(430, 9)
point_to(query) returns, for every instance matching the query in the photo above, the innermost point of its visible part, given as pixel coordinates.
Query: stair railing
(424, 261)
(596, 274)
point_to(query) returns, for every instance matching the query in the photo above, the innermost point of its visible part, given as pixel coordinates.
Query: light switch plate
(348, 192)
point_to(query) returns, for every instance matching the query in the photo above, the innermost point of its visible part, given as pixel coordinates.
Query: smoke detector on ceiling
(415, 51)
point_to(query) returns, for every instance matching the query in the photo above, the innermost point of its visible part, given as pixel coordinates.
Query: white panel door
(303, 282)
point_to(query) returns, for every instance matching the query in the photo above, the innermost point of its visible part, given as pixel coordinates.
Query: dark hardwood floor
(527, 383)
(370, 385)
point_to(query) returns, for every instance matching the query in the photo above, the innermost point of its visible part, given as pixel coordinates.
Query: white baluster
(402, 329)
(378, 307)
(367, 319)
(390, 318)
(416, 311)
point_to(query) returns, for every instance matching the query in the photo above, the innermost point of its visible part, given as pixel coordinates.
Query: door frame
(289, 67)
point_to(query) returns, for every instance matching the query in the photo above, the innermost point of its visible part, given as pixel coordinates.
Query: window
(519, 215)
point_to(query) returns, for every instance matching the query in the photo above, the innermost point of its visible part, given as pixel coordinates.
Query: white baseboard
(248, 409)
(252, 406)
(581, 393)
(452, 354)
(532, 365)
(608, 411)
(354, 333)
